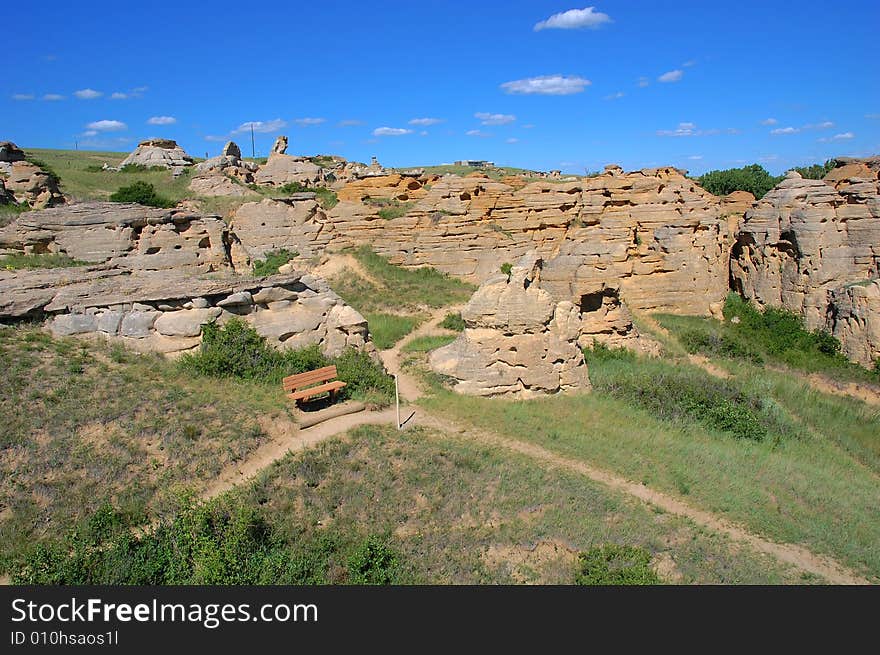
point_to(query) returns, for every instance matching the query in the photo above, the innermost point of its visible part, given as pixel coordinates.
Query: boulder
(186, 322)
(280, 146)
(516, 341)
(28, 183)
(281, 169)
(163, 153)
(217, 184)
(231, 149)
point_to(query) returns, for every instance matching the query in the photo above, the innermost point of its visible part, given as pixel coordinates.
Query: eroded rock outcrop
(165, 311)
(517, 341)
(128, 235)
(813, 247)
(25, 182)
(281, 169)
(164, 153)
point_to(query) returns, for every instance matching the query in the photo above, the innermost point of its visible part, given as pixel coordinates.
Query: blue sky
(543, 85)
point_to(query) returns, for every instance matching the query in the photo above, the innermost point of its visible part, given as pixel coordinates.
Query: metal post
(397, 401)
(253, 149)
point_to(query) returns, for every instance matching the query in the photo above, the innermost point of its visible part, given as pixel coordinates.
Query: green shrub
(326, 197)
(427, 343)
(237, 350)
(390, 207)
(142, 193)
(43, 260)
(612, 564)
(374, 562)
(599, 352)
(202, 544)
(691, 395)
(453, 322)
(293, 187)
(718, 345)
(815, 171)
(506, 268)
(272, 262)
(754, 178)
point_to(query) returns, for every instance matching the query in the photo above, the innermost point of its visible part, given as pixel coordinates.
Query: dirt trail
(286, 437)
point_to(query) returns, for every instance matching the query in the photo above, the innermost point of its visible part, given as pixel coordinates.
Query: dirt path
(286, 437)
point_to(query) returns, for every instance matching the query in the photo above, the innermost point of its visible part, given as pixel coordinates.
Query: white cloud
(528, 126)
(547, 85)
(615, 96)
(643, 82)
(217, 137)
(90, 133)
(22, 96)
(262, 127)
(512, 139)
(671, 76)
(479, 133)
(769, 121)
(845, 136)
(689, 63)
(52, 97)
(350, 122)
(785, 130)
(873, 116)
(308, 122)
(425, 122)
(494, 119)
(423, 133)
(391, 131)
(87, 94)
(824, 125)
(161, 120)
(695, 157)
(107, 126)
(139, 89)
(574, 19)
(683, 129)
(116, 95)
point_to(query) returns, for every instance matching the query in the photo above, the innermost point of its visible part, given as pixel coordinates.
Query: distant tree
(815, 171)
(141, 192)
(753, 178)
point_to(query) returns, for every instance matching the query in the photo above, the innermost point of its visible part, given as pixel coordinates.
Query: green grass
(390, 207)
(453, 322)
(42, 260)
(272, 262)
(459, 512)
(11, 211)
(85, 422)
(428, 343)
(773, 336)
(388, 329)
(816, 488)
(81, 178)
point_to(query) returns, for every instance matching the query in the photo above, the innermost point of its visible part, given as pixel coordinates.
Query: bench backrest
(309, 378)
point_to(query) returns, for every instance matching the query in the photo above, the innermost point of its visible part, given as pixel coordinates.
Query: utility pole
(253, 149)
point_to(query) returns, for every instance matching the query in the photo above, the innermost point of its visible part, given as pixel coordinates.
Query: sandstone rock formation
(394, 186)
(518, 341)
(26, 182)
(231, 149)
(129, 235)
(282, 169)
(216, 184)
(228, 163)
(6, 197)
(805, 242)
(854, 318)
(297, 224)
(164, 153)
(280, 146)
(164, 311)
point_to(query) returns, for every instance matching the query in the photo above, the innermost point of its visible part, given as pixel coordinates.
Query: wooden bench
(312, 383)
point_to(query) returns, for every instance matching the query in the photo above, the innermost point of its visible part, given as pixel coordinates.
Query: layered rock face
(165, 312)
(296, 223)
(128, 235)
(808, 239)
(159, 152)
(854, 318)
(24, 182)
(281, 169)
(517, 341)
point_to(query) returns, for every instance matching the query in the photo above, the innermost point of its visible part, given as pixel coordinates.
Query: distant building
(475, 163)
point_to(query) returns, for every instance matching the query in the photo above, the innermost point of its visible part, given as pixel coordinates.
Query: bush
(293, 187)
(815, 171)
(506, 268)
(599, 352)
(237, 350)
(374, 562)
(615, 565)
(453, 322)
(272, 262)
(682, 394)
(718, 345)
(202, 544)
(142, 193)
(754, 178)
